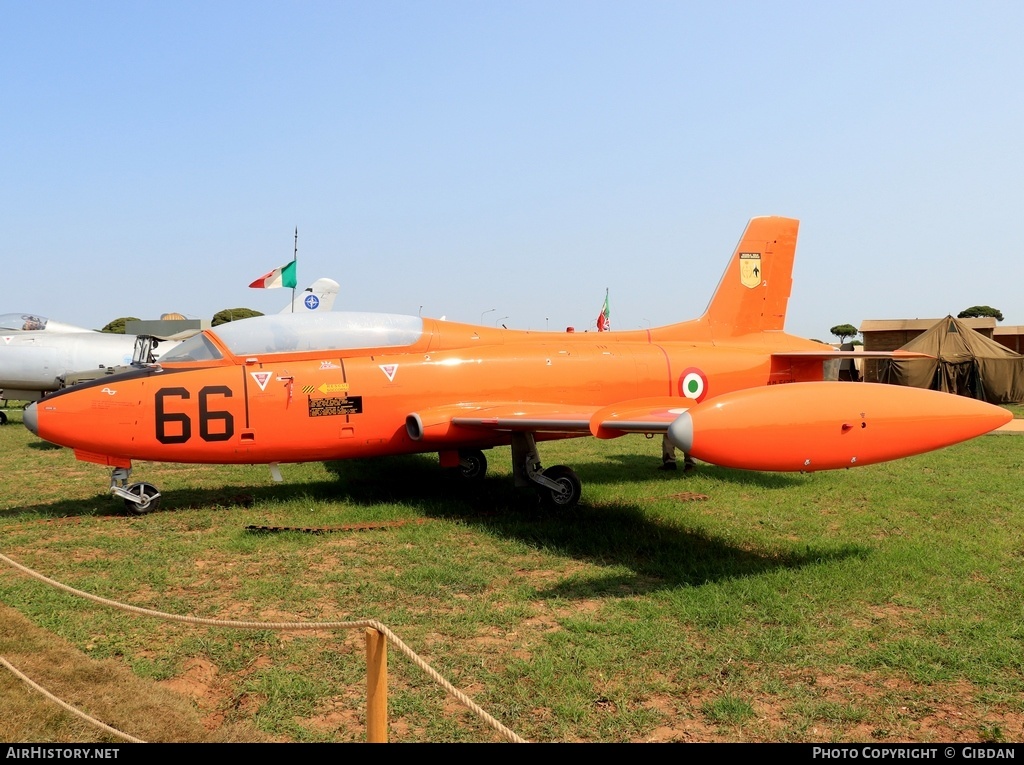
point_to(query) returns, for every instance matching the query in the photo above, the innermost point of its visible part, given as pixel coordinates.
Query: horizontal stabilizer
(852, 355)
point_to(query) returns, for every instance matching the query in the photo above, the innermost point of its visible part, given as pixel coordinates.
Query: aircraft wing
(646, 415)
(523, 415)
(642, 415)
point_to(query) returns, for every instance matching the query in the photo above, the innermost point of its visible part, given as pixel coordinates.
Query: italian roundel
(693, 384)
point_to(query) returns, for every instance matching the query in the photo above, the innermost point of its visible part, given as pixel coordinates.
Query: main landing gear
(559, 487)
(139, 498)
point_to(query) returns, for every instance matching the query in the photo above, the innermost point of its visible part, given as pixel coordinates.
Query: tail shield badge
(750, 269)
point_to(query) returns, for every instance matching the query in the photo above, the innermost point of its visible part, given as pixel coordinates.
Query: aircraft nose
(31, 418)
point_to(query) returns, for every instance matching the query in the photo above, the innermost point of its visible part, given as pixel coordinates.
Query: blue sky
(516, 156)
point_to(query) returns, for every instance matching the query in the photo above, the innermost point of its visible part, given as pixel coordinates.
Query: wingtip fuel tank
(810, 426)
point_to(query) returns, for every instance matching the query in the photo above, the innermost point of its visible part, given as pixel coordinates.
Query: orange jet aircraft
(731, 388)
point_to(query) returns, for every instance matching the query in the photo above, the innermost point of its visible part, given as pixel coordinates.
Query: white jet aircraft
(39, 355)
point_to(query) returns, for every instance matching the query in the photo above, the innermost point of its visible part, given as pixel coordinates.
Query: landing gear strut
(559, 486)
(139, 498)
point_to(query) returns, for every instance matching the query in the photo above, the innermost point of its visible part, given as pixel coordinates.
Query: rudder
(753, 293)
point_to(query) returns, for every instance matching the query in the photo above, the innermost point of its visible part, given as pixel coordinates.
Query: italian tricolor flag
(604, 319)
(279, 277)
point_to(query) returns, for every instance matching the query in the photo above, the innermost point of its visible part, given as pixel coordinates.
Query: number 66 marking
(184, 422)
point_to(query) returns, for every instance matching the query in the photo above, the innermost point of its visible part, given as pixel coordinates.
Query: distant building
(955, 358)
(891, 334)
(1011, 337)
(165, 327)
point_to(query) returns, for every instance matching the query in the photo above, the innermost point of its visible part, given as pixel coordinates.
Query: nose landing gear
(139, 498)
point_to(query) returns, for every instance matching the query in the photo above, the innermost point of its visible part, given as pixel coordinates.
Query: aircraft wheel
(149, 498)
(571, 488)
(3, 418)
(472, 464)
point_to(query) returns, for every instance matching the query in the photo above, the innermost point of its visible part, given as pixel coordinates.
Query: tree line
(117, 326)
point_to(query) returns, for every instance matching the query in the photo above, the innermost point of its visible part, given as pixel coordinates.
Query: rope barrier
(393, 639)
(92, 720)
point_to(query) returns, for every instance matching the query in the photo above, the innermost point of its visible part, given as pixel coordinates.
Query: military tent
(963, 361)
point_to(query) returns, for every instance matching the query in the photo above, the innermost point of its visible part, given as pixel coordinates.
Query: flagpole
(295, 260)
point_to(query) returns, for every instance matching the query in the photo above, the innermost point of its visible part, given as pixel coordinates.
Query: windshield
(196, 348)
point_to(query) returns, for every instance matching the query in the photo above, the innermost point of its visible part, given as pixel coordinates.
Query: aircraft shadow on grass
(659, 555)
(630, 467)
(103, 504)
(43, 446)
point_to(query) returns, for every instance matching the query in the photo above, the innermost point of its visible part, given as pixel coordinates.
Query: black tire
(3, 418)
(148, 499)
(472, 464)
(572, 489)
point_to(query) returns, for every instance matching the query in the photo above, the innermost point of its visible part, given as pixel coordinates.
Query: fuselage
(34, 363)
(254, 394)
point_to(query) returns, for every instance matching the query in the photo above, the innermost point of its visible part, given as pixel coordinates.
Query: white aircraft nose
(31, 418)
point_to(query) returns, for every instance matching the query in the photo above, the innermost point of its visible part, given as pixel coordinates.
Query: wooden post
(376, 687)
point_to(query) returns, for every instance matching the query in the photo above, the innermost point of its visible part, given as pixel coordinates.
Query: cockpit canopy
(295, 333)
(33, 322)
(23, 321)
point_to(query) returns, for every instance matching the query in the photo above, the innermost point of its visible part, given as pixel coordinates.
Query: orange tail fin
(754, 291)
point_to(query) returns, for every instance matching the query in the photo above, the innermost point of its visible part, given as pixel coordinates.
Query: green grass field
(883, 603)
